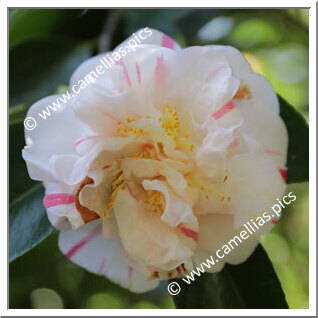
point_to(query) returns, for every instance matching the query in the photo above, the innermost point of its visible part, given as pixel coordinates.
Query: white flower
(159, 163)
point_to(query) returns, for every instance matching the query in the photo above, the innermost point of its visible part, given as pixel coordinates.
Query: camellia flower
(152, 168)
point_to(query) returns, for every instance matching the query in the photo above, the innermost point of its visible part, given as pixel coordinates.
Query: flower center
(118, 183)
(170, 122)
(155, 201)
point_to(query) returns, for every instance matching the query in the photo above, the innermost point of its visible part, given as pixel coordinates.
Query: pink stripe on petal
(78, 142)
(214, 72)
(272, 153)
(283, 173)
(83, 242)
(147, 146)
(224, 110)
(160, 71)
(108, 115)
(190, 233)
(113, 119)
(130, 273)
(235, 143)
(138, 73)
(54, 199)
(168, 42)
(106, 167)
(126, 75)
(102, 267)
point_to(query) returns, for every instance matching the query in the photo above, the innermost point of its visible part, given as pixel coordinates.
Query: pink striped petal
(168, 42)
(235, 143)
(283, 173)
(102, 267)
(190, 233)
(214, 72)
(138, 73)
(78, 142)
(108, 115)
(272, 153)
(72, 251)
(130, 273)
(54, 199)
(126, 75)
(160, 71)
(224, 110)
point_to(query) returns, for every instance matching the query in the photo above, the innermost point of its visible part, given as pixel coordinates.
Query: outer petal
(254, 184)
(59, 202)
(87, 248)
(216, 231)
(212, 155)
(55, 135)
(72, 169)
(208, 62)
(266, 129)
(154, 37)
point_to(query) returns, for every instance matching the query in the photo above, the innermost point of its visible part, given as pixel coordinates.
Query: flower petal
(61, 213)
(55, 135)
(145, 238)
(254, 184)
(176, 209)
(87, 248)
(216, 232)
(153, 37)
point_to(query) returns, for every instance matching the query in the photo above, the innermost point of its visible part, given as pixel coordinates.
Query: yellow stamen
(155, 201)
(117, 184)
(170, 122)
(207, 190)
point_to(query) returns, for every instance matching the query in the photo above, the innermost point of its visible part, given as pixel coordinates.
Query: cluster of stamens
(170, 124)
(124, 128)
(148, 153)
(118, 183)
(155, 201)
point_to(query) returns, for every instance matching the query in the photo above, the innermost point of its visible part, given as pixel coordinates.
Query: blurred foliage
(46, 46)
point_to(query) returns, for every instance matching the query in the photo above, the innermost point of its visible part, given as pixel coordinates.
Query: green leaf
(35, 23)
(19, 180)
(30, 24)
(38, 67)
(17, 113)
(161, 19)
(28, 222)
(298, 146)
(253, 284)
